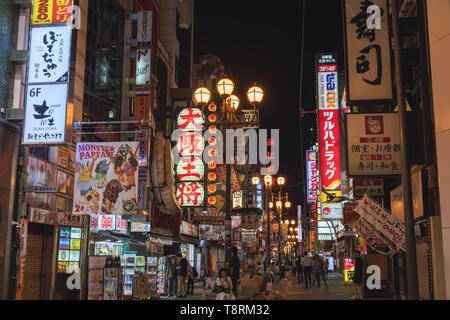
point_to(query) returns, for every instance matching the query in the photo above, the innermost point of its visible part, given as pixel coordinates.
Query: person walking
(299, 268)
(172, 276)
(235, 269)
(306, 262)
(190, 279)
(324, 269)
(294, 268)
(358, 276)
(182, 275)
(317, 269)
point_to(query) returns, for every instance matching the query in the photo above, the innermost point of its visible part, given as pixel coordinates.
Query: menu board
(69, 250)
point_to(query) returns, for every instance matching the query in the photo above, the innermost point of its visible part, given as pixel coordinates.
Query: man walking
(298, 266)
(182, 274)
(235, 269)
(306, 262)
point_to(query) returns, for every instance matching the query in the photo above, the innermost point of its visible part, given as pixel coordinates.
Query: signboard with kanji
(328, 104)
(311, 176)
(52, 11)
(45, 114)
(373, 144)
(368, 51)
(49, 54)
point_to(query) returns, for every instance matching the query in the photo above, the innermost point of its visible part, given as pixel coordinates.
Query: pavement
(289, 289)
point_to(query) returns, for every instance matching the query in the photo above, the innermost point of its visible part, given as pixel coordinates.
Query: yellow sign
(348, 275)
(324, 198)
(75, 244)
(51, 11)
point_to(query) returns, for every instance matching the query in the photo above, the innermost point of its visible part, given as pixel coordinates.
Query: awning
(117, 236)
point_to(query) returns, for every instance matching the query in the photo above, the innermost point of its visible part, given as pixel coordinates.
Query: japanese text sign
(45, 114)
(382, 221)
(52, 11)
(143, 67)
(368, 51)
(49, 54)
(144, 34)
(374, 146)
(311, 176)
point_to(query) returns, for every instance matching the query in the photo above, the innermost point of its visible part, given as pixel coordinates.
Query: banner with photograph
(212, 232)
(106, 178)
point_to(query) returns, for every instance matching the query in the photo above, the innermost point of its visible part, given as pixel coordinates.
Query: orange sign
(52, 11)
(141, 107)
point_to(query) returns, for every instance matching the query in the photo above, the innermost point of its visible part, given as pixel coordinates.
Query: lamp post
(230, 104)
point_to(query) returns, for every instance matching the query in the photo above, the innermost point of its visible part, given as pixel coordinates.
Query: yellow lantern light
(202, 96)
(291, 229)
(232, 102)
(225, 87)
(268, 180)
(281, 181)
(255, 95)
(287, 204)
(286, 221)
(255, 181)
(270, 204)
(292, 222)
(279, 204)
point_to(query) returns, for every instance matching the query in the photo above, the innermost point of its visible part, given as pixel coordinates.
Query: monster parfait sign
(190, 169)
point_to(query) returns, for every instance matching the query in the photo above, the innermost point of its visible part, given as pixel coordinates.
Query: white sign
(368, 52)
(311, 176)
(49, 54)
(143, 67)
(325, 237)
(140, 226)
(248, 237)
(45, 114)
(237, 199)
(299, 223)
(106, 222)
(382, 221)
(374, 146)
(144, 33)
(332, 211)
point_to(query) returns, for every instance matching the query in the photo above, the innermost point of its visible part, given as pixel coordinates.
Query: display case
(129, 268)
(152, 272)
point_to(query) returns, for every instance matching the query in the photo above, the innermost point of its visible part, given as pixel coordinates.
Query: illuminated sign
(49, 55)
(190, 194)
(106, 222)
(349, 269)
(299, 223)
(332, 211)
(52, 11)
(190, 169)
(190, 119)
(191, 144)
(143, 67)
(311, 176)
(188, 229)
(328, 102)
(45, 114)
(143, 140)
(144, 29)
(140, 226)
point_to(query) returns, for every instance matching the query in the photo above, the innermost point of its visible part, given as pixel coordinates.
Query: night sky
(260, 41)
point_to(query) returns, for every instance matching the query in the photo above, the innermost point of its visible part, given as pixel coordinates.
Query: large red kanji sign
(190, 193)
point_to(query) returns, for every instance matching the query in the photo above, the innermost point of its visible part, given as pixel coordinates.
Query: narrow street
(289, 289)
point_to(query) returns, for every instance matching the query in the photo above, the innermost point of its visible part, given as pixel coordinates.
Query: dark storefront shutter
(423, 270)
(33, 267)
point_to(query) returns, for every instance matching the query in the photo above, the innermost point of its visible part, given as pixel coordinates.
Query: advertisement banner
(144, 29)
(332, 211)
(311, 176)
(52, 11)
(372, 237)
(49, 54)
(45, 114)
(106, 178)
(212, 232)
(188, 229)
(143, 67)
(373, 144)
(368, 51)
(382, 221)
(144, 143)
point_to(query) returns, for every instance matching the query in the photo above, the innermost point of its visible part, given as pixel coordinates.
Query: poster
(49, 54)
(62, 177)
(106, 178)
(45, 114)
(212, 232)
(110, 283)
(60, 204)
(95, 286)
(143, 67)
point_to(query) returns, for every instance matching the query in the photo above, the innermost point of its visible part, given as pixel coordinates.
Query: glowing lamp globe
(225, 87)
(202, 95)
(255, 95)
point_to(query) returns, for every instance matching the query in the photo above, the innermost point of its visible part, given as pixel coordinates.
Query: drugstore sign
(52, 11)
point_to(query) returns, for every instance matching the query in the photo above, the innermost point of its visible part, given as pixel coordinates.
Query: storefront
(189, 244)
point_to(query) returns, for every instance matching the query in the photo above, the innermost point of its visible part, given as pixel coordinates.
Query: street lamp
(202, 96)
(255, 181)
(225, 87)
(232, 102)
